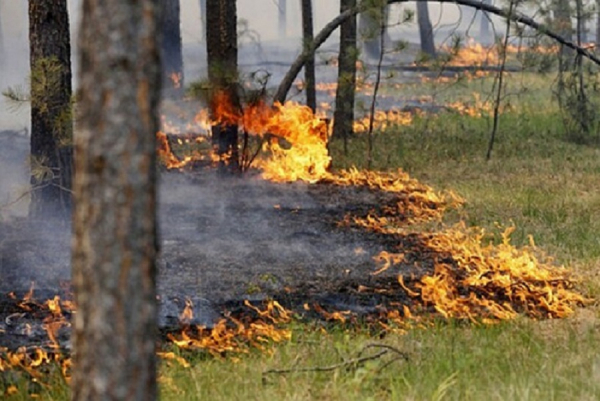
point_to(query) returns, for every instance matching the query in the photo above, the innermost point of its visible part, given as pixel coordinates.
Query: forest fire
(458, 276)
(292, 140)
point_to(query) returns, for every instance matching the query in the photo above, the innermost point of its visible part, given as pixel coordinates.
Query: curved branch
(323, 35)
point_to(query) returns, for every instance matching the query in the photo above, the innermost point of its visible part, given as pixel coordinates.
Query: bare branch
(328, 29)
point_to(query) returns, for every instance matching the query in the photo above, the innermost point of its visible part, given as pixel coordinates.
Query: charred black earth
(225, 240)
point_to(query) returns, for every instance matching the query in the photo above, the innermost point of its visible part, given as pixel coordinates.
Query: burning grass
(470, 278)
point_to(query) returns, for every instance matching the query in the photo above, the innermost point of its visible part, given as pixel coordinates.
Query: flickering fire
(382, 120)
(294, 140)
(228, 334)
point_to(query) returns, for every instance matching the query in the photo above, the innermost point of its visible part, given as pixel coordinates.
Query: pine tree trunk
(221, 51)
(343, 116)
(51, 122)
(425, 29)
(114, 246)
(309, 67)
(172, 56)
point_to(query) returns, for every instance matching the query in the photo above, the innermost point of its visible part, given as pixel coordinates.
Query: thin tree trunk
(425, 30)
(331, 26)
(498, 99)
(343, 116)
(51, 122)
(172, 56)
(282, 18)
(221, 50)
(374, 98)
(114, 246)
(597, 24)
(309, 67)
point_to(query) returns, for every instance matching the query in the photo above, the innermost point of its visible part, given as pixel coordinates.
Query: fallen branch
(355, 362)
(323, 35)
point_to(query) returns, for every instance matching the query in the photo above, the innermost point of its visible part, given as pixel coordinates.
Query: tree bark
(51, 122)
(343, 116)
(425, 30)
(309, 66)
(172, 56)
(114, 245)
(221, 50)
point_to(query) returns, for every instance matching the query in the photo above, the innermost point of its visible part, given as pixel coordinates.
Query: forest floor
(537, 180)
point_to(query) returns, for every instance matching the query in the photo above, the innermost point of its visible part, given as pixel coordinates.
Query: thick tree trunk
(282, 18)
(425, 29)
(309, 67)
(343, 116)
(172, 56)
(51, 122)
(221, 50)
(114, 246)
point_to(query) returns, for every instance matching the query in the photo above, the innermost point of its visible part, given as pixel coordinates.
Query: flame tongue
(299, 149)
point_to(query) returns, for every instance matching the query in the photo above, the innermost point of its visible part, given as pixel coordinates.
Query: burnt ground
(228, 239)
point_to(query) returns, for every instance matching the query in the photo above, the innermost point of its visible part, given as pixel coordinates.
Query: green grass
(545, 185)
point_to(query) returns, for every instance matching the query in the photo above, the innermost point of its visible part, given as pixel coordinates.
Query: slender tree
(309, 67)
(172, 55)
(425, 29)
(331, 26)
(221, 51)
(343, 116)
(51, 123)
(597, 24)
(114, 245)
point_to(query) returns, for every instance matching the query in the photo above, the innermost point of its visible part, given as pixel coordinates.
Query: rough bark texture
(172, 56)
(114, 245)
(282, 18)
(343, 116)
(51, 123)
(309, 67)
(425, 29)
(221, 51)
